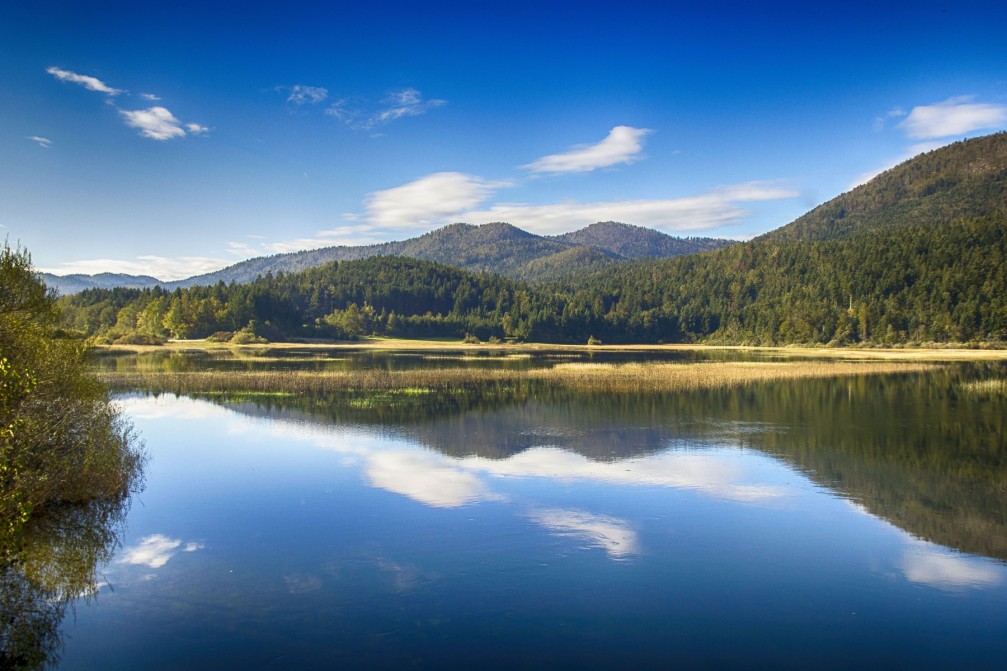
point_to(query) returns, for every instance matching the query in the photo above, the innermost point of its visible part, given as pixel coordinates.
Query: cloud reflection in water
(611, 534)
(155, 550)
(928, 564)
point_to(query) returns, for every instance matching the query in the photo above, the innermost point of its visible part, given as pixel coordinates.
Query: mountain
(71, 284)
(918, 254)
(496, 248)
(964, 179)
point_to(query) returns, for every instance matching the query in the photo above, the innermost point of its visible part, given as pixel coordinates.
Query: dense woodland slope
(918, 254)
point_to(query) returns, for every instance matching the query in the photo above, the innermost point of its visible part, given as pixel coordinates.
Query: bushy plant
(61, 439)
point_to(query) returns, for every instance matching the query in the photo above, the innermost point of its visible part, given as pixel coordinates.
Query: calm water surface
(838, 524)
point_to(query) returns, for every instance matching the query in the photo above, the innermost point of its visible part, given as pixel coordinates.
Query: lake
(841, 523)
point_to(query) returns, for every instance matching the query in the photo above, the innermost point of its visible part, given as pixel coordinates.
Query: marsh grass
(664, 377)
(595, 377)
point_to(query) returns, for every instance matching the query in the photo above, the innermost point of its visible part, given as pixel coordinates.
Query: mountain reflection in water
(914, 450)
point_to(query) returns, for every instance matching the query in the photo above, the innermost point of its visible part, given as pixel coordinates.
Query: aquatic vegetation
(602, 377)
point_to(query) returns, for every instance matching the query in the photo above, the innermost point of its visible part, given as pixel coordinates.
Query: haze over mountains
(498, 248)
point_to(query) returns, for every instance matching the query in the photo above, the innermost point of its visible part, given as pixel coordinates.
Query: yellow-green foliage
(61, 440)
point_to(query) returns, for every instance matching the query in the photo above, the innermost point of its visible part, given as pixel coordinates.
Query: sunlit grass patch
(600, 377)
(648, 377)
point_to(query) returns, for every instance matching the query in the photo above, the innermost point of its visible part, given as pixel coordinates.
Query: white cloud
(43, 142)
(611, 534)
(150, 96)
(955, 116)
(362, 234)
(398, 104)
(157, 123)
(623, 145)
(707, 211)
(431, 200)
(90, 83)
(936, 567)
(300, 94)
(163, 268)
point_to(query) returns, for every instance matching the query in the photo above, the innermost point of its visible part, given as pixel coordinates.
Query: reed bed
(595, 377)
(658, 377)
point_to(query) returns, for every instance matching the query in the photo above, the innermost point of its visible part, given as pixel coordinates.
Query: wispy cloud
(431, 200)
(88, 82)
(881, 121)
(151, 97)
(954, 116)
(715, 209)
(158, 123)
(357, 234)
(398, 104)
(301, 95)
(937, 125)
(40, 141)
(623, 145)
(163, 268)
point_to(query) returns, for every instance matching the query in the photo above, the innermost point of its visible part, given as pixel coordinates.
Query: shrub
(61, 439)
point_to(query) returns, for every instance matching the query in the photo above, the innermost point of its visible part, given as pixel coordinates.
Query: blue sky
(176, 138)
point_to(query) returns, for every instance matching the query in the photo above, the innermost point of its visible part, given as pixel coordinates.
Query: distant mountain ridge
(498, 248)
(71, 284)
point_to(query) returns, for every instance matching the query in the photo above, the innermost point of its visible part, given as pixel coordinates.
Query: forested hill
(497, 248)
(918, 254)
(965, 179)
(928, 267)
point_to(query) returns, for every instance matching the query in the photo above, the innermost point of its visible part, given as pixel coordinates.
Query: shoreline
(400, 344)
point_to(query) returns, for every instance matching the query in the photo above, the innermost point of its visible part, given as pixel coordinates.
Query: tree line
(914, 284)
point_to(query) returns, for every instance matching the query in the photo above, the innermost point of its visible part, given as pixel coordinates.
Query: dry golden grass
(433, 346)
(616, 378)
(651, 377)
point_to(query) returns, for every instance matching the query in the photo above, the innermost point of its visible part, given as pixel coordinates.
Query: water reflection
(917, 450)
(427, 478)
(615, 536)
(155, 550)
(57, 564)
(359, 545)
(934, 566)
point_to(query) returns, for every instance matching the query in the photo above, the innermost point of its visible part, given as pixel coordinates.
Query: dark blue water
(684, 534)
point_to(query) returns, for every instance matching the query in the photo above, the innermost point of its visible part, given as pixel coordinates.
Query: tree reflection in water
(56, 564)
